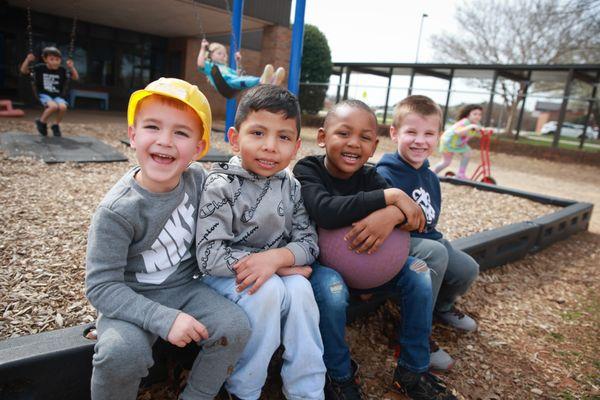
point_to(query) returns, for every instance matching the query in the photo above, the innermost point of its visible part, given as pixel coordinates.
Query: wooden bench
(89, 94)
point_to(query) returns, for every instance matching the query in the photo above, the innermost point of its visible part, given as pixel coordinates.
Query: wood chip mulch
(538, 317)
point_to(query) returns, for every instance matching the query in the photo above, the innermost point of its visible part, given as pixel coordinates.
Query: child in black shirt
(338, 191)
(50, 78)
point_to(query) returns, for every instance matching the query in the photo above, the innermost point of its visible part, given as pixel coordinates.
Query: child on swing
(216, 54)
(50, 78)
(456, 139)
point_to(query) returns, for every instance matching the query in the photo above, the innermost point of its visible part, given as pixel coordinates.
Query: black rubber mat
(58, 149)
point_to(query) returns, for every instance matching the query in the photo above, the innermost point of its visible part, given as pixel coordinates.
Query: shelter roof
(166, 18)
(589, 73)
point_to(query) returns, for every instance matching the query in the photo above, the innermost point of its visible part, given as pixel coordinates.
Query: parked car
(569, 130)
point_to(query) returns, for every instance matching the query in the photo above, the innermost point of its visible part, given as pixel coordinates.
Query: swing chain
(29, 28)
(199, 19)
(236, 48)
(72, 39)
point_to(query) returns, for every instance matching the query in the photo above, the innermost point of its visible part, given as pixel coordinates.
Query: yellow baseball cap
(182, 91)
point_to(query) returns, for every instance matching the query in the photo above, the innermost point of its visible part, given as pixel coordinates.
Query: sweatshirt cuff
(161, 321)
(301, 255)
(374, 200)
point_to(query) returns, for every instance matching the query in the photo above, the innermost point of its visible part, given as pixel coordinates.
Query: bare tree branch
(522, 32)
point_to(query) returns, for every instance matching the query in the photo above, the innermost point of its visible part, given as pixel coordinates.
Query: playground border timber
(57, 364)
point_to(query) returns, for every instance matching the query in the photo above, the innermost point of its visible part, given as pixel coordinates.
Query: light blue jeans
(412, 285)
(282, 311)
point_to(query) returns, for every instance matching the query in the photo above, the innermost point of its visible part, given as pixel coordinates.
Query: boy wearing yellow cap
(142, 275)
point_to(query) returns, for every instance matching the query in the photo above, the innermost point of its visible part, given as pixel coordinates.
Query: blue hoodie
(422, 185)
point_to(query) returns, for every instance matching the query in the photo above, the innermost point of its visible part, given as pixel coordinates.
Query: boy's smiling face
(266, 142)
(349, 137)
(52, 61)
(166, 139)
(417, 137)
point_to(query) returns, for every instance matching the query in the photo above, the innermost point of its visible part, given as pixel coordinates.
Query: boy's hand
(304, 270)
(257, 268)
(238, 57)
(30, 57)
(370, 232)
(415, 218)
(204, 44)
(186, 329)
(69, 63)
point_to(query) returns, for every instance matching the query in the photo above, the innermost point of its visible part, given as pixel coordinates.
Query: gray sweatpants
(123, 353)
(452, 271)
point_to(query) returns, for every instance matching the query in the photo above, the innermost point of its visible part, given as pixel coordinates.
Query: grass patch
(566, 395)
(557, 336)
(571, 315)
(564, 143)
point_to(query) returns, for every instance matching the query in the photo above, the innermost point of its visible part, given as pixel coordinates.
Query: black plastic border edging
(57, 364)
(512, 242)
(50, 365)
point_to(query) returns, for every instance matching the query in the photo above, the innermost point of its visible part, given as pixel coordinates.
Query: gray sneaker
(457, 319)
(438, 358)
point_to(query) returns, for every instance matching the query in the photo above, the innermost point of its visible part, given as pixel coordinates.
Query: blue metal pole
(236, 39)
(296, 51)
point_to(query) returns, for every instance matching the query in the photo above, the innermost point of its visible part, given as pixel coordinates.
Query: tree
(316, 68)
(522, 32)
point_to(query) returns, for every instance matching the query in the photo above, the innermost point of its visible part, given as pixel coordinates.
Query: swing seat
(221, 85)
(7, 110)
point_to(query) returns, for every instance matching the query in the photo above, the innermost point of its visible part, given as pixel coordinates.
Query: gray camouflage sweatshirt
(242, 213)
(141, 241)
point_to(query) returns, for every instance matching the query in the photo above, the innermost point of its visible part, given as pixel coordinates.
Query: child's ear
(297, 147)
(234, 139)
(200, 148)
(393, 133)
(131, 136)
(374, 147)
(321, 138)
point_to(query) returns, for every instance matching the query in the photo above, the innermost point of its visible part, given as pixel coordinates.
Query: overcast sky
(387, 31)
(380, 30)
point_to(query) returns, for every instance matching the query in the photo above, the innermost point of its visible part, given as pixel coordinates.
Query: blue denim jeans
(413, 287)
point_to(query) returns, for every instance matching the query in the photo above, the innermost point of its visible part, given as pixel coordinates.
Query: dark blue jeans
(413, 287)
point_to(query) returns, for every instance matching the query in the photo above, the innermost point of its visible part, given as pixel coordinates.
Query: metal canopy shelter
(523, 73)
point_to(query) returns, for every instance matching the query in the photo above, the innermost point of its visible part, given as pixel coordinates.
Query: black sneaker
(424, 386)
(42, 127)
(345, 390)
(56, 130)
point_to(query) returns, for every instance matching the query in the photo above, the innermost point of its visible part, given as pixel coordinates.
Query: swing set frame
(72, 37)
(219, 82)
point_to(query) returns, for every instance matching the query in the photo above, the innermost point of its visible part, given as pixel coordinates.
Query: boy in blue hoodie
(416, 127)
